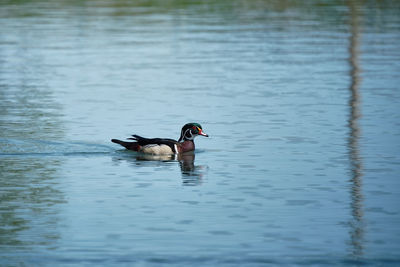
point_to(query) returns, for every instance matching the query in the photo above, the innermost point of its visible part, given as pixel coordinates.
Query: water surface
(301, 102)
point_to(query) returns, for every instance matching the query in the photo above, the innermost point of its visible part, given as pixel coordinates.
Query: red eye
(196, 129)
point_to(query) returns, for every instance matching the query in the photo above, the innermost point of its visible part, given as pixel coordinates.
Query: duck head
(190, 131)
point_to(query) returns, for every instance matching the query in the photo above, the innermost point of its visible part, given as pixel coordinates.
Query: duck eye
(195, 130)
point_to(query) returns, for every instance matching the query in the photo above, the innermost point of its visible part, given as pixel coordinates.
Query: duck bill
(203, 134)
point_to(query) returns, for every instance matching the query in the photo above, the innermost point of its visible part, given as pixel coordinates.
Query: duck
(165, 146)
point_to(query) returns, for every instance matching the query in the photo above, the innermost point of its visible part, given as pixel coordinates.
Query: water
(301, 102)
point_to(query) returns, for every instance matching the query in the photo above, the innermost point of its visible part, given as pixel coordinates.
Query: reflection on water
(29, 199)
(357, 224)
(191, 174)
(29, 194)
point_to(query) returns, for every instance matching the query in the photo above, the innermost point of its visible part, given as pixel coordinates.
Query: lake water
(301, 100)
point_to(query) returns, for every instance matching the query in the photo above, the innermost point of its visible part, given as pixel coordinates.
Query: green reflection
(29, 196)
(28, 202)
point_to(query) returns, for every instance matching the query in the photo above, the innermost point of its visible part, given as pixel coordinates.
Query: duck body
(165, 146)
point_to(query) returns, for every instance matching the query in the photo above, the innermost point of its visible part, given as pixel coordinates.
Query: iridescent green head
(190, 131)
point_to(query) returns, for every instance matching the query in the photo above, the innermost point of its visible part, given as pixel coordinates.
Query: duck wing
(142, 141)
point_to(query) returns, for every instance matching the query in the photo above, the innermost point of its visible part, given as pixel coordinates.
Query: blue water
(301, 102)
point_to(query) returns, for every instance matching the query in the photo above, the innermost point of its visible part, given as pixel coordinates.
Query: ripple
(300, 202)
(220, 232)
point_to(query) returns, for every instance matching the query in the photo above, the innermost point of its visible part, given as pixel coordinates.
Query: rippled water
(301, 102)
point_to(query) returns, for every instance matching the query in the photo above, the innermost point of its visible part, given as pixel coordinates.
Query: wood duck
(165, 146)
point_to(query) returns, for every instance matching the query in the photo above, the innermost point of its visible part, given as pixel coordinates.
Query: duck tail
(128, 145)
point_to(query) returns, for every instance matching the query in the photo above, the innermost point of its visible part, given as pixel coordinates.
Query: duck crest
(190, 131)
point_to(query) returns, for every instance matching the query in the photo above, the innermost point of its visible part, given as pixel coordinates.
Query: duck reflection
(192, 174)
